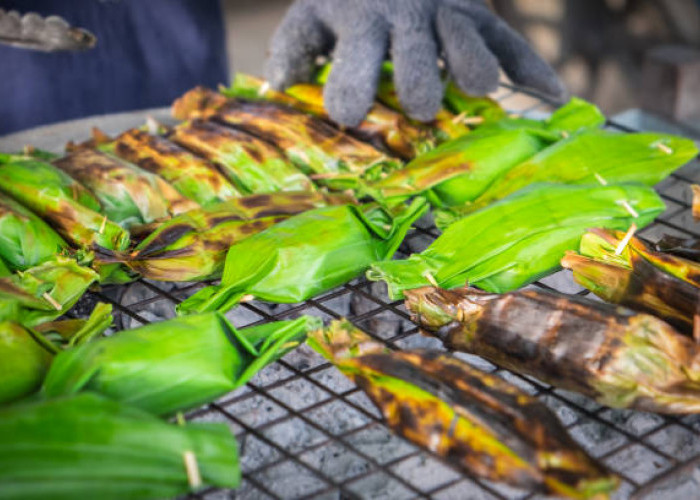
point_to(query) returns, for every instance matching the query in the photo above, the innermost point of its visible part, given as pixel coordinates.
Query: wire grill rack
(305, 431)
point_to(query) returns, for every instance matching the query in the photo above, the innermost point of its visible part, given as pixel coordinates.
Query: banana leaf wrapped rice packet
(25, 239)
(61, 201)
(383, 127)
(45, 292)
(307, 255)
(192, 176)
(461, 170)
(26, 353)
(620, 358)
(627, 272)
(520, 239)
(86, 446)
(127, 194)
(318, 149)
(253, 165)
(193, 246)
(478, 421)
(175, 365)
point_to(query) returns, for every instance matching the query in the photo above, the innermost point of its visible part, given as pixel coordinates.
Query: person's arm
(466, 34)
(49, 34)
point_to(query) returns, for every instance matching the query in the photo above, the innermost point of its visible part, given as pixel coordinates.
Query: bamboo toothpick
(601, 179)
(194, 478)
(54, 303)
(264, 88)
(473, 120)
(458, 119)
(663, 147)
(626, 240)
(103, 225)
(565, 134)
(431, 279)
(625, 204)
(248, 298)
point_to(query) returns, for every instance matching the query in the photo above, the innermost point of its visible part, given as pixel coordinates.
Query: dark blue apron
(148, 52)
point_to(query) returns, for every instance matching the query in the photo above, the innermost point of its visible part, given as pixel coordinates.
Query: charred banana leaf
(620, 358)
(25, 239)
(520, 239)
(253, 165)
(45, 292)
(635, 276)
(61, 201)
(687, 248)
(175, 365)
(192, 176)
(128, 195)
(285, 264)
(477, 421)
(383, 127)
(26, 354)
(311, 144)
(193, 246)
(86, 446)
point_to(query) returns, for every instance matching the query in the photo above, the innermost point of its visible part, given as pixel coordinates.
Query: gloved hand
(472, 39)
(49, 34)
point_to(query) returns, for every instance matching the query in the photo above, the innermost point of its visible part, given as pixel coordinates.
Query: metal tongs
(50, 34)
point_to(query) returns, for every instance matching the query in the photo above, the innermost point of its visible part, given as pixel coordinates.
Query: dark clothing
(148, 52)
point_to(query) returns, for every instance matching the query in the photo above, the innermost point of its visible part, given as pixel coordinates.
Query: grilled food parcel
(165, 368)
(478, 421)
(314, 146)
(307, 254)
(488, 165)
(44, 292)
(86, 446)
(26, 353)
(192, 176)
(383, 127)
(25, 239)
(520, 239)
(626, 271)
(193, 245)
(127, 194)
(616, 356)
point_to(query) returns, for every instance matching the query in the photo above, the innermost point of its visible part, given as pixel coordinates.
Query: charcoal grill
(305, 431)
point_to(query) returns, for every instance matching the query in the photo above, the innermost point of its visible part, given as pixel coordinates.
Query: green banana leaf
(45, 292)
(175, 365)
(25, 239)
(520, 239)
(307, 255)
(462, 104)
(128, 195)
(86, 446)
(383, 127)
(595, 156)
(62, 202)
(192, 176)
(314, 146)
(476, 420)
(26, 354)
(254, 166)
(463, 169)
(4, 270)
(193, 246)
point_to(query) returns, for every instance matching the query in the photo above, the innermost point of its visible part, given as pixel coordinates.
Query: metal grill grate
(305, 431)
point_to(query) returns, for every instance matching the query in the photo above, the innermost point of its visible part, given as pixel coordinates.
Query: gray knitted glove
(49, 34)
(472, 39)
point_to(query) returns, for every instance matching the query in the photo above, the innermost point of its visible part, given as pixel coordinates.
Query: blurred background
(620, 54)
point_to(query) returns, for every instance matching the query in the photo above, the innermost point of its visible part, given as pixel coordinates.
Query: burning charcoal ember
(626, 271)
(620, 358)
(478, 421)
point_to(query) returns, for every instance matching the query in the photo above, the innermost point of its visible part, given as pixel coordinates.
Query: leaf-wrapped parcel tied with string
(27, 353)
(25, 240)
(477, 421)
(175, 365)
(45, 292)
(193, 245)
(307, 255)
(520, 239)
(620, 358)
(86, 446)
(626, 271)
